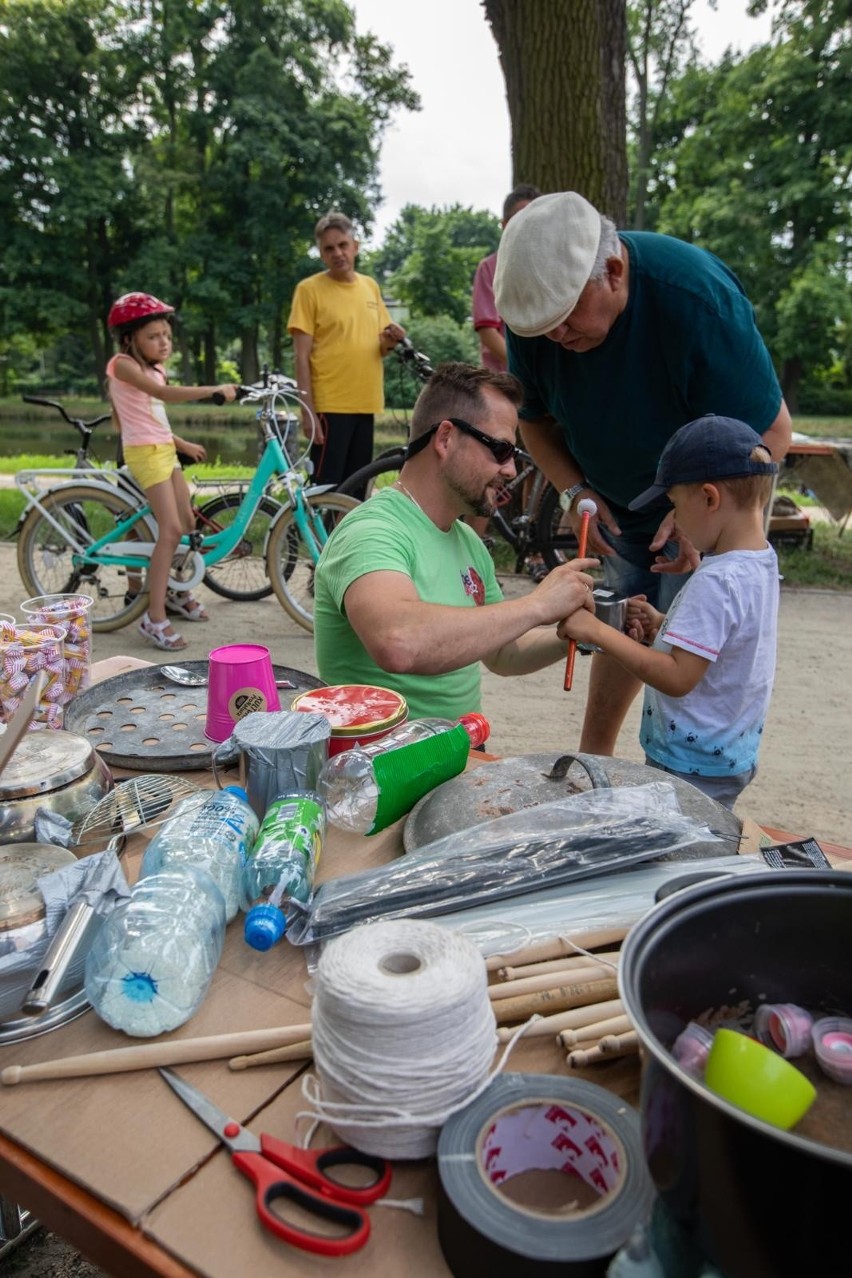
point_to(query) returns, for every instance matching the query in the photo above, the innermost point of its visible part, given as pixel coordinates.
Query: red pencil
(587, 508)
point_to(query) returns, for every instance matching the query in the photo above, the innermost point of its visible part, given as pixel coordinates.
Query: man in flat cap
(618, 339)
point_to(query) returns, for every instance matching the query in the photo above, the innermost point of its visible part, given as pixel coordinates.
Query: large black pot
(759, 1202)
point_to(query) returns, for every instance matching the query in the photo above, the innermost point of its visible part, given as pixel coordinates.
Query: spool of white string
(403, 1034)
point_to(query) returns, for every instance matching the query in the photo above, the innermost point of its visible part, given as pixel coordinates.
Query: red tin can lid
(355, 708)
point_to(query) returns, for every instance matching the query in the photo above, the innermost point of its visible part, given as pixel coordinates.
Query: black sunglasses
(501, 449)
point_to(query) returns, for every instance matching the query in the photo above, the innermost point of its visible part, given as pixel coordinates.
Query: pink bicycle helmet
(134, 308)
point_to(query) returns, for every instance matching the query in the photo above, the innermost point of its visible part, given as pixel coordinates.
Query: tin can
(358, 713)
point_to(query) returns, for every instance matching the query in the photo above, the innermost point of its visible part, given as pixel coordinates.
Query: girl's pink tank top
(142, 418)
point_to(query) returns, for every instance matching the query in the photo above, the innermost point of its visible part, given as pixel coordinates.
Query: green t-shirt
(685, 345)
(390, 533)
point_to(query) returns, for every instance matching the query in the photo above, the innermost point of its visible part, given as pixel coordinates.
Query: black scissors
(281, 1170)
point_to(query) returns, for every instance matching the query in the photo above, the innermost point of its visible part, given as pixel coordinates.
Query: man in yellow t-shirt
(341, 331)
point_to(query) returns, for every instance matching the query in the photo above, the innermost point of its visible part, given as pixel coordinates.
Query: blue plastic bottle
(152, 961)
(281, 865)
(214, 836)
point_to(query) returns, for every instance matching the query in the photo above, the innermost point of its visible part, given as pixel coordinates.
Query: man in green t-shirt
(619, 339)
(405, 592)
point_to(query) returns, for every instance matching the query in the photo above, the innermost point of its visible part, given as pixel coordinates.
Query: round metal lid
(21, 866)
(43, 761)
(354, 708)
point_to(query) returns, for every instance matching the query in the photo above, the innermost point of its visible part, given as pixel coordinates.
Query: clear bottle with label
(280, 867)
(214, 836)
(351, 784)
(152, 961)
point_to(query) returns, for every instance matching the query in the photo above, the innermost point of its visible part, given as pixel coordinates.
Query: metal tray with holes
(141, 720)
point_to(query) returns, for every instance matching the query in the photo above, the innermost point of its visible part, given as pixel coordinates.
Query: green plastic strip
(404, 775)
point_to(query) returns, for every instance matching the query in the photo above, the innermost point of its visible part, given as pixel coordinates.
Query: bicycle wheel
(45, 553)
(556, 546)
(381, 472)
(290, 561)
(241, 575)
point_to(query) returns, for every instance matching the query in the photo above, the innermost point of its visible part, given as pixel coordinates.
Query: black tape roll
(534, 1126)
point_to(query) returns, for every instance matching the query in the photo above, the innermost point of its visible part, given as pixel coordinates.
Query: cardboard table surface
(135, 1167)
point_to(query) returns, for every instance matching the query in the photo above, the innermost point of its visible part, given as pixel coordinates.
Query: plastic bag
(573, 837)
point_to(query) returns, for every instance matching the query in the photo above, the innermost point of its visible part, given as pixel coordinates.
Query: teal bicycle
(90, 534)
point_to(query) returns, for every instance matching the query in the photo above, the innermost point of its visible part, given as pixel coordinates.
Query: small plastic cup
(757, 1080)
(832, 1039)
(71, 612)
(692, 1047)
(785, 1027)
(24, 651)
(241, 682)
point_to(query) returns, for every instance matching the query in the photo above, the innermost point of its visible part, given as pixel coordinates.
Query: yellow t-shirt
(345, 321)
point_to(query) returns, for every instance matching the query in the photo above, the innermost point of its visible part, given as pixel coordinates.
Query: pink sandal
(155, 633)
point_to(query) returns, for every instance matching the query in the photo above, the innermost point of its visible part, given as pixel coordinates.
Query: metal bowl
(56, 770)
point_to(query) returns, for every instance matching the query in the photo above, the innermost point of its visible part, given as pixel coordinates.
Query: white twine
(403, 1035)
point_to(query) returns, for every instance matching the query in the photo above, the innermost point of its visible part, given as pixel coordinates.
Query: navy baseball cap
(709, 448)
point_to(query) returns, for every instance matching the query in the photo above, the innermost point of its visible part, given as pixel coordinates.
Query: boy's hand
(582, 625)
(688, 557)
(643, 621)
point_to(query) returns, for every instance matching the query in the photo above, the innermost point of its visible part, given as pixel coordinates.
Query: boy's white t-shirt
(728, 613)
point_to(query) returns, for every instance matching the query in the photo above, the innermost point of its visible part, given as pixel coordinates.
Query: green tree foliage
(185, 147)
(752, 160)
(429, 257)
(440, 339)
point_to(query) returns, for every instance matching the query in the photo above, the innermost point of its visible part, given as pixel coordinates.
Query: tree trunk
(563, 63)
(791, 377)
(249, 362)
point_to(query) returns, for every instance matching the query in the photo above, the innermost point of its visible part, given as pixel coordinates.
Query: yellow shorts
(151, 464)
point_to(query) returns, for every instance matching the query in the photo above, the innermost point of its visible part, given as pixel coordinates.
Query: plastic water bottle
(280, 867)
(364, 795)
(152, 961)
(214, 836)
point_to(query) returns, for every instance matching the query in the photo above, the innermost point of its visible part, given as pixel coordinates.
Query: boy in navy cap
(708, 676)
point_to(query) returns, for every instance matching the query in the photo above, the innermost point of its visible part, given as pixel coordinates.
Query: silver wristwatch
(566, 497)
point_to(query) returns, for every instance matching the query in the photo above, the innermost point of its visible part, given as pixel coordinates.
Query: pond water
(234, 442)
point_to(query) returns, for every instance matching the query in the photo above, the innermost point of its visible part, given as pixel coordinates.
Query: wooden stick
(550, 981)
(618, 1044)
(566, 1020)
(560, 946)
(593, 1033)
(295, 1052)
(586, 508)
(580, 1059)
(554, 965)
(556, 1000)
(148, 1055)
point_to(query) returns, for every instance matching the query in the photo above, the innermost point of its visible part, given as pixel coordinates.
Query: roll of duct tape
(540, 1175)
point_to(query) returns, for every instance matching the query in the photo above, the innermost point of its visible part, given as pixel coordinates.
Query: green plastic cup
(757, 1080)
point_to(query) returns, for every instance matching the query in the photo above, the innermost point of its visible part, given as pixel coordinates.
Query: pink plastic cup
(241, 681)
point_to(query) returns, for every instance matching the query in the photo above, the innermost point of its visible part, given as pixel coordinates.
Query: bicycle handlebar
(72, 421)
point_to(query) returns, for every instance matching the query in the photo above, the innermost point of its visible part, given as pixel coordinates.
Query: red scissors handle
(273, 1184)
(311, 1166)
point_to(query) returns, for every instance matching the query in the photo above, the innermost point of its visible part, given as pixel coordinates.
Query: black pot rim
(651, 929)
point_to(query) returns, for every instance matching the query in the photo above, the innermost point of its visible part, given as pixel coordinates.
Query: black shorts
(348, 446)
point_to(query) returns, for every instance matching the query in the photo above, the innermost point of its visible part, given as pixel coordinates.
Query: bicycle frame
(112, 550)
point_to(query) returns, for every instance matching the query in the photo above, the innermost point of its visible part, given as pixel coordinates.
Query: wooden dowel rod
(557, 1000)
(295, 1052)
(550, 981)
(149, 1055)
(555, 965)
(593, 1033)
(617, 1044)
(581, 1058)
(572, 1019)
(560, 946)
